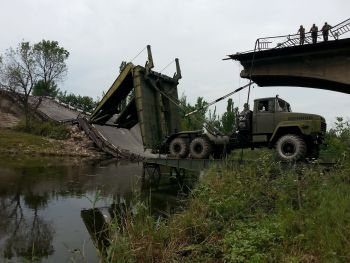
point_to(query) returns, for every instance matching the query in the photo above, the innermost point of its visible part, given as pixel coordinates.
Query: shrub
(337, 141)
(48, 129)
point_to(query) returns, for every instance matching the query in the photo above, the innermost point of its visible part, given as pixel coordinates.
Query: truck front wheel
(200, 148)
(291, 147)
(179, 147)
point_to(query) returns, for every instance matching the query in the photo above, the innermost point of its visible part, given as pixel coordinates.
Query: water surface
(41, 200)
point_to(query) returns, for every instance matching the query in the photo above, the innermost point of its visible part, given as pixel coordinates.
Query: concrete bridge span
(118, 142)
(324, 65)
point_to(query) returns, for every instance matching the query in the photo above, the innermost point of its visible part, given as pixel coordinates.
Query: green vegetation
(204, 117)
(337, 143)
(41, 88)
(265, 211)
(16, 142)
(85, 103)
(48, 129)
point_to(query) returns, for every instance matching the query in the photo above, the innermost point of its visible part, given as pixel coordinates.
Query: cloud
(101, 34)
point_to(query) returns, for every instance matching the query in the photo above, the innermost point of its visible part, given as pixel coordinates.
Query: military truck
(271, 123)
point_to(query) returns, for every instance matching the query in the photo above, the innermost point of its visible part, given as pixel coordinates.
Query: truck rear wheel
(200, 148)
(291, 147)
(179, 147)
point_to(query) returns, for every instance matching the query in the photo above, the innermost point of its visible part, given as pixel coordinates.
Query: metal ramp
(142, 96)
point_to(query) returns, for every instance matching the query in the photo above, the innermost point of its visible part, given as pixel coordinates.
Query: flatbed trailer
(194, 164)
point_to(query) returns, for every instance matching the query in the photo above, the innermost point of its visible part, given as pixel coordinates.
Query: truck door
(264, 121)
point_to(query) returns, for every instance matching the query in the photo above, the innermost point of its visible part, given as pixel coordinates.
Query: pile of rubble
(79, 144)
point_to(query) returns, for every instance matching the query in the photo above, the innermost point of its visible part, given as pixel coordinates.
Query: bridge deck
(324, 65)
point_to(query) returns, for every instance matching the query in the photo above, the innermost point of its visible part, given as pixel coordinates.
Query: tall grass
(265, 211)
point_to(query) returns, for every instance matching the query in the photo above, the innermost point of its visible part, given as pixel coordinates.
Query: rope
(178, 104)
(167, 66)
(217, 100)
(138, 54)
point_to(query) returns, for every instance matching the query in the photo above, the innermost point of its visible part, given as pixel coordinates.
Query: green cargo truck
(272, 124)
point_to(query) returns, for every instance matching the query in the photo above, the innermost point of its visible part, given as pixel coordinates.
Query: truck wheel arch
(283, 130)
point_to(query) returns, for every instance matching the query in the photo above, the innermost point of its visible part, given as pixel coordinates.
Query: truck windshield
(283, 106)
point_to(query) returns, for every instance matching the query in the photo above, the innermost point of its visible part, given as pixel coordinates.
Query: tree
(42, 88)
(195, 121)
(18, 75)
(51, 61)
(229, 117)
(24, 67)
(213, 121)
(85, 103)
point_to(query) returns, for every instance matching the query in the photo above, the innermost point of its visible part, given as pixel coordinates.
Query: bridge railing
(340, 29)
(266, 43)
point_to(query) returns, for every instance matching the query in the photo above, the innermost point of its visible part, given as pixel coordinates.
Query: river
(42, 201)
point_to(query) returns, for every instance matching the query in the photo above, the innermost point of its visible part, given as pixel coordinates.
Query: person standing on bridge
(314, 31)
(301, 32)
(325, 31)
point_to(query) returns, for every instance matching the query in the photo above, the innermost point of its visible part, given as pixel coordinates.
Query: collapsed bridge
(142, 104)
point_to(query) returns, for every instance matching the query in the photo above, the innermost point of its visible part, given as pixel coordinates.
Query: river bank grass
(16, 142)
(19, 143)
(261, 212)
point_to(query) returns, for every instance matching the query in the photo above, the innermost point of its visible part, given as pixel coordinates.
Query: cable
(167, 66)
(178, 104)
(138, 54)
(217, 100)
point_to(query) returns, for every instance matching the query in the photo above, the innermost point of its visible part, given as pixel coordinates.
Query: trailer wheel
(200, 148)
(179, 147)
(291, 147)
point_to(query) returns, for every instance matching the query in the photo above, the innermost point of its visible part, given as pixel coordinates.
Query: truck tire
(291, 148)
(200, 148)
(179, 147)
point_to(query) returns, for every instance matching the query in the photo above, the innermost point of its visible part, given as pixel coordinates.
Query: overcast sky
(101, 34)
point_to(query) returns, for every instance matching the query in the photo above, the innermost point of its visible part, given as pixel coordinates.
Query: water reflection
(43, 200)
(166, 188)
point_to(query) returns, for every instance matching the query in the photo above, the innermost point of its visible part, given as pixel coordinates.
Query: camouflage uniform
(245, 118)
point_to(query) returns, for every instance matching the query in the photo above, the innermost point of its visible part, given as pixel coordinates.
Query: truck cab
(294, 135)
(265, 114)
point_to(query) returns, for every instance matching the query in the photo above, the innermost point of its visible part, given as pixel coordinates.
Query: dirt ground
(8, 120)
